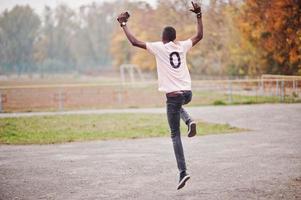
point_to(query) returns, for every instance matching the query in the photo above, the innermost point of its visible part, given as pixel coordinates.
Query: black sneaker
(191, 129)
(183, 178)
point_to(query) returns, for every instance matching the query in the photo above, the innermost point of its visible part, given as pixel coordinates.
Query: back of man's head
(169, 34)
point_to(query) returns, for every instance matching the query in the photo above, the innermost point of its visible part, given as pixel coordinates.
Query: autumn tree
(211, 56)
(90, 45)
(53, 49)
(18, 29)
(141, 23)
(274, 28)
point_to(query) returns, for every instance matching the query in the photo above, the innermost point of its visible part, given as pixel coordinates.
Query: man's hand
(196, 8)
(123, 17)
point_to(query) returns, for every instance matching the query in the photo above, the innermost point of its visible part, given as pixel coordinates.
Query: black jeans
(175, 111)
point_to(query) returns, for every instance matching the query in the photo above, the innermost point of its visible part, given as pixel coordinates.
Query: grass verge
(214, 98)
(68, 128)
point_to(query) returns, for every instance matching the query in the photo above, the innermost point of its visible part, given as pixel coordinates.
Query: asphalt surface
(264, 163)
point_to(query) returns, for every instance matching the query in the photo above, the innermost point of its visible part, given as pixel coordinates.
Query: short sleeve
(186, 44)
(153, 47)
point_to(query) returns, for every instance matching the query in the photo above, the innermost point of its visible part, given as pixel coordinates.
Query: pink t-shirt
(173, 74)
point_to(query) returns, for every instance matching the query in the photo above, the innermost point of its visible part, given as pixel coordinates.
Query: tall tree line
(61, 40)
(18, 31)
(241, 37)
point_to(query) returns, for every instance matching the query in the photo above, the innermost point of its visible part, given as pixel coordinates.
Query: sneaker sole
(192, 131)
(183, 182)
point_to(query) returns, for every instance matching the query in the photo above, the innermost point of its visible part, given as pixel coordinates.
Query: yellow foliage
(273, 27)
(253, 37)
(120, 48)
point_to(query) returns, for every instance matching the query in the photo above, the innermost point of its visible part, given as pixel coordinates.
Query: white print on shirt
(171, 59)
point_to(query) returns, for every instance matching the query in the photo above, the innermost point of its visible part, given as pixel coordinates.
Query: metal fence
(56, 97)
(266, 86)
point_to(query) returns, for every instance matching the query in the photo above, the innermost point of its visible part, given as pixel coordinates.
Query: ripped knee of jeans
(174, 134)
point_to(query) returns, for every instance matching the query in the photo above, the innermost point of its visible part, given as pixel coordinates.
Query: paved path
(261, 164)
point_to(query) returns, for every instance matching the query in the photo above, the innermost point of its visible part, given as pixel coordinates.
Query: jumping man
(173, 79)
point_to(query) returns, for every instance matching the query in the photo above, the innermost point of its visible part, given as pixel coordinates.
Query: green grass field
(214, 98)
(68, 128)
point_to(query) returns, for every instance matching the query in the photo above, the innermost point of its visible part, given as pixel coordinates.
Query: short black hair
(169, 33)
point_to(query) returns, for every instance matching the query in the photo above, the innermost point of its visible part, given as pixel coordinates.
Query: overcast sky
(38, 5)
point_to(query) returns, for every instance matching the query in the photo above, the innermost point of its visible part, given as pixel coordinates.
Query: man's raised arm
(197, 10)
(122, 19)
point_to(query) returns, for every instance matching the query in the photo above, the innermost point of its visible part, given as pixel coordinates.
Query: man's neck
(166, 41)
